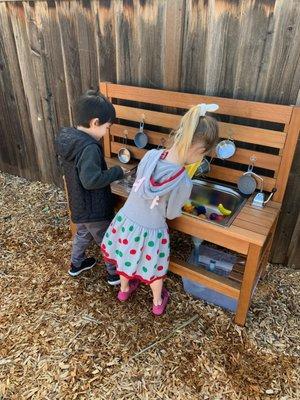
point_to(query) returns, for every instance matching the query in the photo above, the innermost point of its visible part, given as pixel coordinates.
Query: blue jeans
(86, 234)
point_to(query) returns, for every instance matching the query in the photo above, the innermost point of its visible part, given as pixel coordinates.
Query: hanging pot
(247, 183)
(225, 149)
(141, 139)
(124, 155)
(204, 167)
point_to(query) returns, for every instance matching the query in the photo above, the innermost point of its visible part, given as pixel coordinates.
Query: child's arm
(89, 169)
(177, 199)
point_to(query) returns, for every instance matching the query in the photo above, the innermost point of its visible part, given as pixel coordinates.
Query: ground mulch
(66, 338)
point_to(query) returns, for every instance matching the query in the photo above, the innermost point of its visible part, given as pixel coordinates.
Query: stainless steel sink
(127, 182)
(210, 195)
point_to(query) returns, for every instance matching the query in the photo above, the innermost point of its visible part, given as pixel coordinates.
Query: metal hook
(230, 134)
(125, 136)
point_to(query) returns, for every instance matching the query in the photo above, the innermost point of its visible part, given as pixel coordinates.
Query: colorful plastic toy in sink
(210, 212)
(188, 207)
(224, 210)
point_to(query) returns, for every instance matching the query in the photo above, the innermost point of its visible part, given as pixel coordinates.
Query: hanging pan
(124, 154)
(141, 138)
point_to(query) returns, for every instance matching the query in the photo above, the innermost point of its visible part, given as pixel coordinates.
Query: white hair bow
(204, 108)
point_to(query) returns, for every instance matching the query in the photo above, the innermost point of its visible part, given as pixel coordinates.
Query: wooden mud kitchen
(251, 232)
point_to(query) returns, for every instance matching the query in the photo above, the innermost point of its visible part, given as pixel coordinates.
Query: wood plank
(233, 238)
(13, 158)
(107, 137)
(279, 69)
(127, 20)
(232, 175)
(234, 107)
(242, 156)
(23, 139)
(271, 207)
(105, 39)
(150, 117)
(57, 96)
(288, 154)
(293, 256)
(209, 279)
(241, 133)
(286, 230)
(251, 226)
(112, 161)
(154, 137)
(196, 48)
(257, 217)
(42, 73)
(85, 26)
(66, 12)
(251, 269)
(134, 151)
(29, 73)
(263, 160)
(172, 37)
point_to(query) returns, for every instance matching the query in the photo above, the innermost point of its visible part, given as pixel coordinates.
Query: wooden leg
(251, 267)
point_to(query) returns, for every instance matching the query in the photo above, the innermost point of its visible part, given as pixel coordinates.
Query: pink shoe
(133, 286)
(159, 310)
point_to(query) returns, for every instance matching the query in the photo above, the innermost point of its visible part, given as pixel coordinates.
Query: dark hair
(92, 104)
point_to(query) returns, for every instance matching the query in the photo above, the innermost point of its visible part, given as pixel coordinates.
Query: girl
(137, 241)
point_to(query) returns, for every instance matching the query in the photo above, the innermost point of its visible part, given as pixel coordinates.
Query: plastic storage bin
(213, 260)
(209, 295)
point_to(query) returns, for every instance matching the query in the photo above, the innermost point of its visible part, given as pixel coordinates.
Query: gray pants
(86, 234)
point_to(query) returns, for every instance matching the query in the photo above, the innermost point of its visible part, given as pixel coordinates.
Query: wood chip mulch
(68, 338)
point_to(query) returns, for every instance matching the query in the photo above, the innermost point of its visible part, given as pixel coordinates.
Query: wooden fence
(51, 51)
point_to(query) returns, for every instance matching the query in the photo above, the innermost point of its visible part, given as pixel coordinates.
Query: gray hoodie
(160, 190)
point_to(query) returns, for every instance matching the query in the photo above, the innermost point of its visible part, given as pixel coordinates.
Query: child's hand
(125, 171)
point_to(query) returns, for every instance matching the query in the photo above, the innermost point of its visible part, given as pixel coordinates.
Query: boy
(88, 179)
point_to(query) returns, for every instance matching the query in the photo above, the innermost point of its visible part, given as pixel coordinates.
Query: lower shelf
(221, 284)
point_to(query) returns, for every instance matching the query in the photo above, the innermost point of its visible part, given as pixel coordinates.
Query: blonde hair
(194, 128)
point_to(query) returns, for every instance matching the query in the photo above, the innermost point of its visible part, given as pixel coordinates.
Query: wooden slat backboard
(282, 141)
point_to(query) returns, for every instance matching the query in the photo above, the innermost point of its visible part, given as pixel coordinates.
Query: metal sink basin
(127, 182)
(210, 195)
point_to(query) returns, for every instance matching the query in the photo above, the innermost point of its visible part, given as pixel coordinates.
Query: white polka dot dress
(137, 252)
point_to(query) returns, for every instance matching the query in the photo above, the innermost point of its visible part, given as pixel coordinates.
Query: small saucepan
(141, 138)
(247, 183)
(124, 154)
(204, 167)
(225, 149)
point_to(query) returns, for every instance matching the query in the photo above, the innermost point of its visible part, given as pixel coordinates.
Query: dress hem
(130, 277)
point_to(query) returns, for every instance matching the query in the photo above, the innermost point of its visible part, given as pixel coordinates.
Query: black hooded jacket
(87, 176)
